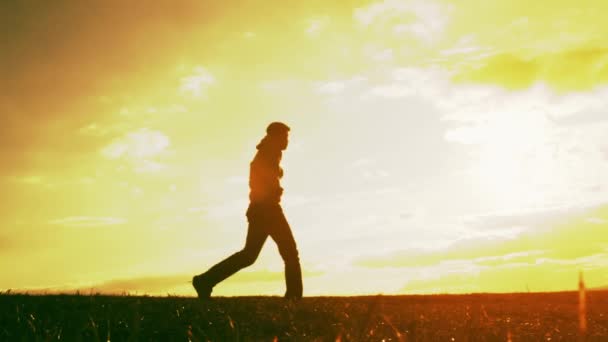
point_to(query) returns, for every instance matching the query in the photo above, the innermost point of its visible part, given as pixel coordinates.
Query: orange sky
(436, 146)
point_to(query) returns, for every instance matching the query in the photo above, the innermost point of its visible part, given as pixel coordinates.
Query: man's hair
(277, 128)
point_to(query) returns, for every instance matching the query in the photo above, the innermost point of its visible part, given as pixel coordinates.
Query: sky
(435, 147)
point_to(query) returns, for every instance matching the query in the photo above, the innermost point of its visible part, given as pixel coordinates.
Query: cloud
(512, 277)
(423, 20)
(141, 143)
(480, 249)
(524, 218)
(463, 47)
(568, 240)
(138, 147)
(580, 69)
(596, 220)
(88, 221)
(111, 52)
(511, 258)
(197, 83)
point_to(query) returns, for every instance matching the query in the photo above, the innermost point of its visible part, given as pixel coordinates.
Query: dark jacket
(264, 174)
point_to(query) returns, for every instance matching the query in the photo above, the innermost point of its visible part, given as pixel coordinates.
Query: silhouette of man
(265, 217)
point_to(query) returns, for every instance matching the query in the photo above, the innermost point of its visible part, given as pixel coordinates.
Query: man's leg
(282, 235)
(256, 236)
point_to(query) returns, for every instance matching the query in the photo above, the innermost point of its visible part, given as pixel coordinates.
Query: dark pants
(264, 221)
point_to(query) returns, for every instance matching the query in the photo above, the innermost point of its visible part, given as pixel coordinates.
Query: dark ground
(474, 317)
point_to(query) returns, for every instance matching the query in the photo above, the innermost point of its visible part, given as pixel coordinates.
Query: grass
(473, 317)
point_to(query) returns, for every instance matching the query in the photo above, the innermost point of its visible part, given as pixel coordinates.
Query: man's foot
(203, 289)
(292, 298)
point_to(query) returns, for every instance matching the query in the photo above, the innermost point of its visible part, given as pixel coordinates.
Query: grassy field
(474, 317)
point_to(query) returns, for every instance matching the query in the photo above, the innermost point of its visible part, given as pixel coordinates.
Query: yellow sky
(436, 146)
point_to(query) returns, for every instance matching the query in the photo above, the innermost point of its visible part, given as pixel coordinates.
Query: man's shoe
(203, 289)
(292, 298)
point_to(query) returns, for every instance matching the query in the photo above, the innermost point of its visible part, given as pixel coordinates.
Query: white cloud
(423, 20)
(578, 104)
(137, 144)
(460, 50)
(596, 220)
(473, 103)
(464, 46)
(197, 83)
(525, 217)
(138, 148)
(508, 257)
(595, 260)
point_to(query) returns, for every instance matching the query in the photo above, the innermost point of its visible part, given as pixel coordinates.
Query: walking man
(265, 217)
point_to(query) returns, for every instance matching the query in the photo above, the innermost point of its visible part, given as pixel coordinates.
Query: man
(265, 217)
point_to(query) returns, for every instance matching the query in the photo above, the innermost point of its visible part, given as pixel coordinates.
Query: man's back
(264, 175)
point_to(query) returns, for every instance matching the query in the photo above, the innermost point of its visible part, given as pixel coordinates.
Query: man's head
(279, 134)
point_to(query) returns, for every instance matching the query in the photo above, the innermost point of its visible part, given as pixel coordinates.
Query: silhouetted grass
(474, 317)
